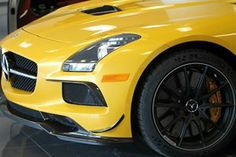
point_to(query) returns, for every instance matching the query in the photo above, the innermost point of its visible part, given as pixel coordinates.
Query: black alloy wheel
(187, 104)
(182, 112)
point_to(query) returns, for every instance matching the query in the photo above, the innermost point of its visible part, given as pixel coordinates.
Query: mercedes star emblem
(5, 67)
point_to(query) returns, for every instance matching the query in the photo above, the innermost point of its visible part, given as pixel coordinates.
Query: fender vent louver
(106, 9)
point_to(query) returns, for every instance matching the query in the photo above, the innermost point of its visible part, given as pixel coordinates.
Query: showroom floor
(21, 141)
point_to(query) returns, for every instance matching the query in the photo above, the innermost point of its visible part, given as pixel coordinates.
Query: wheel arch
(218, 50)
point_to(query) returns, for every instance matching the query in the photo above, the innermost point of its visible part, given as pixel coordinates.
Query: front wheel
(187, 104)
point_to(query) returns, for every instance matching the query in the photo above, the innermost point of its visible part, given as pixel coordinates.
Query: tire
(176, 114)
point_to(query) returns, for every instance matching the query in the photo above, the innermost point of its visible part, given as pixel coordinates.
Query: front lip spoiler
(78, 137)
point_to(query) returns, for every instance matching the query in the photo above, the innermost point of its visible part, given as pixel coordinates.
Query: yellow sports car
(114, 70)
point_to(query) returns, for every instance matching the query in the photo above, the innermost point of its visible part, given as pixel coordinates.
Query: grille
(24, 66)
(23, 83)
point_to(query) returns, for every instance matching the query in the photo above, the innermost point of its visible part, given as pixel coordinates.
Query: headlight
(86, 60)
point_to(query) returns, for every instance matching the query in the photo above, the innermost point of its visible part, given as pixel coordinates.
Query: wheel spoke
(166, 104)
(172, 123)
(170, 92)
(187, 121)
(190, 129)
(213, 91)
(187, 81)
(209, 105)
(165, 115)
(200, 130)
(177, 81)
(201, 82)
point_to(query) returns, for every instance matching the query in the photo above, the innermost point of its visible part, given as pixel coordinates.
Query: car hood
(72, 24)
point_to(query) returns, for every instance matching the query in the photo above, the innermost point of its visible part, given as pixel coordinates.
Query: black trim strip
(110, 128)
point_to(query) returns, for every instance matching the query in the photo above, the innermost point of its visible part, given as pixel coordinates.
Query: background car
(21, 12)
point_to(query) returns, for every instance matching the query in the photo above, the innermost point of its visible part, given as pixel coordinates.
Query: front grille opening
(21, 63)
(23, 83)
(106, 9)
(24, 66)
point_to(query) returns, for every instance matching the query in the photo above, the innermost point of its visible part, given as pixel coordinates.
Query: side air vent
(106, 9)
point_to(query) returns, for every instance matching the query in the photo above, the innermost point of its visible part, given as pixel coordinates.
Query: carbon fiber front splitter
(64, 133)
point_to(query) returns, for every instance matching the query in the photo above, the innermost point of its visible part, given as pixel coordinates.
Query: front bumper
(48, 94)
(61, 130)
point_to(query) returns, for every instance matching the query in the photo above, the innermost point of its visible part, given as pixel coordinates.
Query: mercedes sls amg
(161, 71)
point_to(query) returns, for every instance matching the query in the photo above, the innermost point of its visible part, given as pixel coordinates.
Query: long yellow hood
(71, 25)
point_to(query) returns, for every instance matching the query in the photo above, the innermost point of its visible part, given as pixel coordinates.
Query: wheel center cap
(191, 105)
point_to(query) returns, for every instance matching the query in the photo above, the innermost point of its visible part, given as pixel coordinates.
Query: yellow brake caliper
(215, 113)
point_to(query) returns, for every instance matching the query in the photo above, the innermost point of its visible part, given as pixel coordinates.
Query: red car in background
(22, 12)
